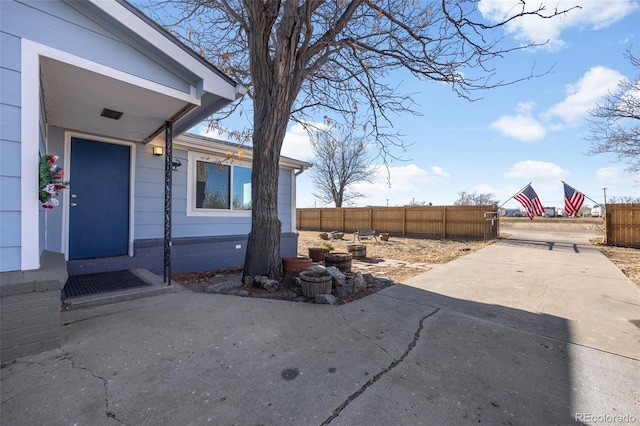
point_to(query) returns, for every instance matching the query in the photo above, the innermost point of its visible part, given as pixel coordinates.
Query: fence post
(404, 221)
(342, 210)
(606, 224)
(444, 221)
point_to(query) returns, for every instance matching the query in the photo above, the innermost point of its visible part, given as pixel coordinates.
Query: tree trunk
(277, 82)
(263, 247)
(271, 116)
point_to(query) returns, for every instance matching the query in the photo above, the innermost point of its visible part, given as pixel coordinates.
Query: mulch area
(287, 288)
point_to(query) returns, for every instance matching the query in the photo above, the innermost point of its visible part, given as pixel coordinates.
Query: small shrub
(327, 245)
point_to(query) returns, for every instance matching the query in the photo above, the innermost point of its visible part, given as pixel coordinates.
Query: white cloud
(536, 170)
(297, 144)
(521, 126)
(439, 172)
(585, 94)
(592, 15)
(581, 97)
(613, 174)
(407, 183)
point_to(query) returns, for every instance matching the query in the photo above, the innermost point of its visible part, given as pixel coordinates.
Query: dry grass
(627, 259)
(401, 258)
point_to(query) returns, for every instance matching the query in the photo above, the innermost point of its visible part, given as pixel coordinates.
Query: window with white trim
(217, 188)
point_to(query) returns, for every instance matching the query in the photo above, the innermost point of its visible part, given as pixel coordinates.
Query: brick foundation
(30, 308)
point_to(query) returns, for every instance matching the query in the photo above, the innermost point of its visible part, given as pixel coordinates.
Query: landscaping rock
(384, 280)
(238, 292)
(325, 299)
(359, 283)
(223, 287)
(265, 283)
(342, 291)
(318, 269)
(271, 285)
(272, 295)
(338, 277)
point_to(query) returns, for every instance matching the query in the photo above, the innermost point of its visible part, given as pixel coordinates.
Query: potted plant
(357, 251)
(315, 281)
(292, 266)
(342, 261)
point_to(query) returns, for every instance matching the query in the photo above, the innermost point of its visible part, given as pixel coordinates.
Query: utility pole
(605, 195)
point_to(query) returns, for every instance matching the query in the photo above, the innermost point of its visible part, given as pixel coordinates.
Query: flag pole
(508, 199)
(585, 196)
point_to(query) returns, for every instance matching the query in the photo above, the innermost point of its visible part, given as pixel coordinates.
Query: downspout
(294, 213)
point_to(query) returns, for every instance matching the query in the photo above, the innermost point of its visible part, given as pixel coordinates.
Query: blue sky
(533, 131)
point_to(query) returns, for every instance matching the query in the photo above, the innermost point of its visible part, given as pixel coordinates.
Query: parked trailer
(597, 211)
(549, 212)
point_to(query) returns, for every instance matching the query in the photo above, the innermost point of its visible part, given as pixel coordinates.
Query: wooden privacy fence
(622, 225)
(434, 221)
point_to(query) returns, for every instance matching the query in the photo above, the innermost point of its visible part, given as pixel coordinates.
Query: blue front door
(99, 203)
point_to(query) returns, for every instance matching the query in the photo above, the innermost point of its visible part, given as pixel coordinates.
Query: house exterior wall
(80, 29)
(199, 242)
(70, 27)
(9, 148)
(73, 28)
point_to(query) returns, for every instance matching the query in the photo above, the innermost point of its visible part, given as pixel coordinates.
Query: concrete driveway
(539, 328)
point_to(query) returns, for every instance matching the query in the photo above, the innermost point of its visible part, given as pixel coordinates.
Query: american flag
(572, 200)
(529, 199)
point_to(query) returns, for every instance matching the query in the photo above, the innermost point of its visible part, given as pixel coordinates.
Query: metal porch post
(168, 173)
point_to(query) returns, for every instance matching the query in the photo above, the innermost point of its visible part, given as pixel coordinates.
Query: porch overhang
(75, 93)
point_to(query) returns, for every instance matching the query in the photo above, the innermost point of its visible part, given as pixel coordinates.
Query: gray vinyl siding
(10, 236)
(75, 30)
(149, 202)
(284, 199)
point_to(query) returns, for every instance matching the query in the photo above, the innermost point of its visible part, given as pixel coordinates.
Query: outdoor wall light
(157, 150)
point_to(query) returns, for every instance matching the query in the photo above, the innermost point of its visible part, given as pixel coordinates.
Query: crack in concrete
(379, 375)
(107, 410)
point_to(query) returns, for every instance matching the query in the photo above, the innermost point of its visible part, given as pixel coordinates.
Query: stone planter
(357, 251)
(317, 253)
(292, 266)
(314, 283)
(342, 261)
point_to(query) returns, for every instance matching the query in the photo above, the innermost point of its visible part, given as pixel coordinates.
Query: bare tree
(340, 161)
(416, 203)
(475, 199)
(615, 124)
(623, 200)
(301, 59)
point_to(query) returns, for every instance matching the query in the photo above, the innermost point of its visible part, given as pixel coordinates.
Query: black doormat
(104, 282)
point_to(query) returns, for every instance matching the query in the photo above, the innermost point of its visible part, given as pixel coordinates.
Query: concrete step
(157, 287)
